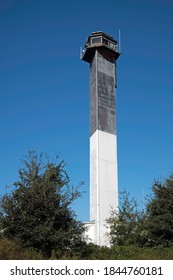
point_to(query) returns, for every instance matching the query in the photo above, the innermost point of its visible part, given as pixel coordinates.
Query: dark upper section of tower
(100, 40)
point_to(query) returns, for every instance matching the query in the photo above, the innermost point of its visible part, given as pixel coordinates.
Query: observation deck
(100, 40)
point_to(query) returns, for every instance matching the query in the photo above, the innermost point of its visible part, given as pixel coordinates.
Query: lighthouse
(101, 52)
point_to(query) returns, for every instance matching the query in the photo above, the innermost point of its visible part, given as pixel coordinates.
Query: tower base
(103, 186)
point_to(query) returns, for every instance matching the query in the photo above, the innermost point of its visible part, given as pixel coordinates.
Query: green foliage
(38, 211)
(126, 224)
(153, 227)
(132, 252)
(11, 250)
(37, 222)
(159, 223)
(129, 252)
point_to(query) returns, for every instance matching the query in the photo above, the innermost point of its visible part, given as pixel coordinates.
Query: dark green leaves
(38, 212)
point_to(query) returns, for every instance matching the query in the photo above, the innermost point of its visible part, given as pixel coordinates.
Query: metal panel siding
(103, 181)
(102, 94)
(106, 95)
(89, 234)
(93, 97)
(93, 175)
(107, 147)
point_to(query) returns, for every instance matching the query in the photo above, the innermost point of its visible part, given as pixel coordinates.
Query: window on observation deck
(104, 41)
(112, 46)
(96, 40)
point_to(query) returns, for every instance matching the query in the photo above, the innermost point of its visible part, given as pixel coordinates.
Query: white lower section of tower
(103, 183)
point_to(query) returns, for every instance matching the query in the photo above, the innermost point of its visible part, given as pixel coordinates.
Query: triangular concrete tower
(101, 53)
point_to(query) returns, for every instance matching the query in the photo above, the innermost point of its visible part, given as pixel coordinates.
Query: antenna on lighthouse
(81, 52)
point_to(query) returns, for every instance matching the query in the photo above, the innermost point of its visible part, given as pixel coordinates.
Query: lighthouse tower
(101, 52)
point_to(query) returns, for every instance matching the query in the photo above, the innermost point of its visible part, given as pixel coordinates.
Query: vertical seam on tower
(116, 159)
(97, 131)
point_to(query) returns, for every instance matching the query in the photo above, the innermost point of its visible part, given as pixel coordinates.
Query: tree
(126, 224)
(159, 210)
(38, 211)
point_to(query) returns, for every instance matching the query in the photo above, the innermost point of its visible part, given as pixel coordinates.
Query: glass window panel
(96, 40)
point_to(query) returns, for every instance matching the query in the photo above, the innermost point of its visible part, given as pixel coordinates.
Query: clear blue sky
(44, 87)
